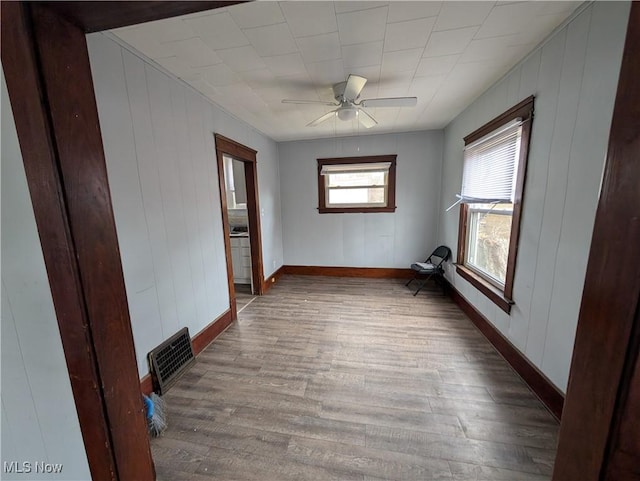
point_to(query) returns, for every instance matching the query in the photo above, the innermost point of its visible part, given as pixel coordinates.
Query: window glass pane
(489, 232)
(372, 195)
(355, 179)
(376, 195)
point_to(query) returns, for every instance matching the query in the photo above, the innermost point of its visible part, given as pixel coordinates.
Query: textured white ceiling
(248, 57)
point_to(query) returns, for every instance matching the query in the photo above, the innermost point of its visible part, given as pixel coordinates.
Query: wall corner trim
(550, 396)
(272, 279)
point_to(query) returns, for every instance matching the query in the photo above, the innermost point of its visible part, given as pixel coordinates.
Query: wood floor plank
(473, 472)
(491, 411)
(226, 436)
(391, 417)
(227, 465)
(477, 376)
(243, 295)
(451, 448)
(259, 382)
(180, 458)
(544, 437)
(353, 379)
(369, 397)
(300, 425)
(367, 461)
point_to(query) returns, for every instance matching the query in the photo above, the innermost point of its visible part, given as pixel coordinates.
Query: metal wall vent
(170, 359)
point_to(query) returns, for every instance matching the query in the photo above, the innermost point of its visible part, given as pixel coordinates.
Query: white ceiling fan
(348, 107)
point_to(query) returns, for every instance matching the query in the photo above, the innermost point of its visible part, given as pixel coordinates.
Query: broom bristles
(156, 415)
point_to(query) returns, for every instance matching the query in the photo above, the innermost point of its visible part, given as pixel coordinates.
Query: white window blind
(490, 166)
(355, 168)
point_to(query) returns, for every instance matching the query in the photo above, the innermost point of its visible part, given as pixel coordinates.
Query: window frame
(470, 210)
(503, 298)
(391, 185)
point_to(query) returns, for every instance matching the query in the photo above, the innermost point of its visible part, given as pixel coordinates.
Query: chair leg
(411, 280)
(424, 283)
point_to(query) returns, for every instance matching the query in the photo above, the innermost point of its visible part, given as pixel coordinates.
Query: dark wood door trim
(46, 65)
(246, 155)
(39, 157)
(623, 450)
(49, 80)
(604, 344)
(66, 75)
(235, 149)
(226, 231)
(255, 230)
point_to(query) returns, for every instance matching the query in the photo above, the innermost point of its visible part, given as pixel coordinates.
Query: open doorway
(238, 179)
(236, 186)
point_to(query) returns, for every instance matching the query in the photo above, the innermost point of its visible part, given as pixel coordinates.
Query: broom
(156, 415)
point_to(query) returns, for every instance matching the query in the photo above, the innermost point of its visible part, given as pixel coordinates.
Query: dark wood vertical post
(25, 92)
(48, 75)
(66, 74)
(605, 349)
(624, 442)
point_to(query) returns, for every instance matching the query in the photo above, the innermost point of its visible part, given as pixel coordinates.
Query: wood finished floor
(243, 295)
(353, 379)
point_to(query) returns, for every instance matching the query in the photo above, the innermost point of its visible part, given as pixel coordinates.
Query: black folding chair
(431, 267)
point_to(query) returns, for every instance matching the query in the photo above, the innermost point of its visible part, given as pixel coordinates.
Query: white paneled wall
(39, 420)
(362, 240)
(574, 77)
(160, 152)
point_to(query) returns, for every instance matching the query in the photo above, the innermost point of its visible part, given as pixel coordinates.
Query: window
(495, 158)
(234, 183)
(488, 233)
(357, 184)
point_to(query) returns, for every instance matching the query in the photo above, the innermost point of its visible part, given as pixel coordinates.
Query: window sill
(354, 210)
(487, 289)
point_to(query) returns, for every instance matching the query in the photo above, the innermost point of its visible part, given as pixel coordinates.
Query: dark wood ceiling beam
(96, 16)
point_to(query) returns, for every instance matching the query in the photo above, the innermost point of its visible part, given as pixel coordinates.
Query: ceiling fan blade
(319, 120)
(365, 119)
(312, 102)
(390, 102)
(354, 86)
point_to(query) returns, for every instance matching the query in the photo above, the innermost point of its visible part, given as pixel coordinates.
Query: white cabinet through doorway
(241, 259)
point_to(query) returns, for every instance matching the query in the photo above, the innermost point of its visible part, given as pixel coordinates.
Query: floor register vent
(170, 359)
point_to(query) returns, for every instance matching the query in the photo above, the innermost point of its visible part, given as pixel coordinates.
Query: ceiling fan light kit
(348, 108)
(347, 113)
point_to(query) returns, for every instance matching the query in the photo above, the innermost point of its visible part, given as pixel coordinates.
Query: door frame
(48, 74)
(605, 351)
(111, 424)
(247, 156)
